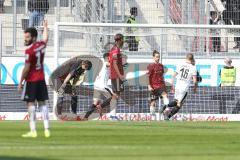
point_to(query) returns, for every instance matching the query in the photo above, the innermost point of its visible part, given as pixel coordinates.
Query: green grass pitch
(98, 140)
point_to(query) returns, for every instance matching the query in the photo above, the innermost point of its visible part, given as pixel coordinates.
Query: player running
(33, 74)
(184, 75)
(101, 88)
(156, 82)
(68, 75)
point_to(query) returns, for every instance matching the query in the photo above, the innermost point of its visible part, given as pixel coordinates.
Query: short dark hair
(88, 63)
(105, 55)
(118, 37)
(155, 52)
(32, 30)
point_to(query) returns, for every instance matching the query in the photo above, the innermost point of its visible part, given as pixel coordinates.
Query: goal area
(210, 44)
(211, 102)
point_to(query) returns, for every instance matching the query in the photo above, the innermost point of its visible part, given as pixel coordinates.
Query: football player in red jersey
(116, 74)
(35, 88)
(156, 85)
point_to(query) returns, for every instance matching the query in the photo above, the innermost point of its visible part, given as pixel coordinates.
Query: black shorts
(117, 85)
(35, 91)
(156, 93)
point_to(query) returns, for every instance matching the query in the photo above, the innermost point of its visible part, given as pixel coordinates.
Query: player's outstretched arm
(45, 31)
(67, 79)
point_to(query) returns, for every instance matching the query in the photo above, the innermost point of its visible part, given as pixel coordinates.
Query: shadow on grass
(21, 158)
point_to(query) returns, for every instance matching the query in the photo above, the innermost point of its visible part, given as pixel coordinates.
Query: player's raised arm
(45, 31)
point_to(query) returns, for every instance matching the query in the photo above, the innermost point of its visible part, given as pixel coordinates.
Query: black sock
(74, 104)
(172, 104)
(106, 102)
(59, 105)
(92, 109)
(173, 111)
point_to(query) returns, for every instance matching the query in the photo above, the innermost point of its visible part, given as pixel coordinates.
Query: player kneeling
(184, 75)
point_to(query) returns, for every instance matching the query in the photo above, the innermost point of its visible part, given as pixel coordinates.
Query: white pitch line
(75, 147)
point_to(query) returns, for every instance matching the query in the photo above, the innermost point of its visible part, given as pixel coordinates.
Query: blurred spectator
(132, 40)
(1, 6)
(231, 16)
(236, 20)
(227, 14)
(228, 79)
(228, 73)
(38, 9)
(216, 40)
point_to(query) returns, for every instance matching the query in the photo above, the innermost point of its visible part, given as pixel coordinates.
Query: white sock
(32, 118)
(165, 101)
(45, 116)
(152, 109)
(113, 106)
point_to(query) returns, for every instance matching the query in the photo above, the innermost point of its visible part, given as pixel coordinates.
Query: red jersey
(35, 56)
(156, 72)
(115, 56)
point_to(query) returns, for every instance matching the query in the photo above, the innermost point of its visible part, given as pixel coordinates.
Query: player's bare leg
(45, 116)
(165, 102)
(113, 106)
(152, 106)
(32, 121)
(153, 109)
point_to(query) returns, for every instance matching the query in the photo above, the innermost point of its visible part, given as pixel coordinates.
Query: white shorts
(180, 95)
(101, 94)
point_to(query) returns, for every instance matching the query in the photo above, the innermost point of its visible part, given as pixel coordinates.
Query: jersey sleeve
(72, 72)
(43, 44)
(73, 69)
(149, 69)
(115, 55)
(28, 57)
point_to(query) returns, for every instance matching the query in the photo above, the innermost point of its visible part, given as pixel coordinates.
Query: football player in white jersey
(184, 76)
(101, 89)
